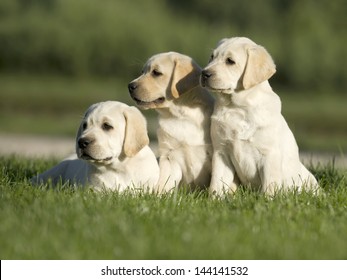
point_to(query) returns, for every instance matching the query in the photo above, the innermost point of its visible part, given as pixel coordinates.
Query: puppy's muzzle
(205, 76)
(83, 143)
(132, 87)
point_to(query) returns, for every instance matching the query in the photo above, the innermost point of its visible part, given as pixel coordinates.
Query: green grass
(62, 223)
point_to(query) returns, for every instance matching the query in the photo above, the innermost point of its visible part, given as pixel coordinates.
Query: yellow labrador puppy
(252, 142)
(170, 84)
(112, 149)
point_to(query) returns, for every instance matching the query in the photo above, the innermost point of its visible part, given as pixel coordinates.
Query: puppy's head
(164, 78)
(108, 130)
(237, 64)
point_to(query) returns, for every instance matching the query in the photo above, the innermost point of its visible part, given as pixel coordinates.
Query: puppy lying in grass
(252, 142)
(112, 151)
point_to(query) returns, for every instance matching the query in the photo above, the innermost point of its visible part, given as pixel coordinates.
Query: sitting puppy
(112, 149)
(170, 84)
(252, 141)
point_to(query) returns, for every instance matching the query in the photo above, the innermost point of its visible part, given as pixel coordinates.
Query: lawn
(65, 223)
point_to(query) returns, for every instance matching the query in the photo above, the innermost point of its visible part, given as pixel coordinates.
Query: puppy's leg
(271, 174)
(170, 175)
(223, 175)
(307, 181)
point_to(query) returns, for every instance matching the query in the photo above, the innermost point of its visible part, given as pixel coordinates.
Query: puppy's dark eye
(107, 127)
(211, 58)
(84, 126)
(156, 73)
(230, 61)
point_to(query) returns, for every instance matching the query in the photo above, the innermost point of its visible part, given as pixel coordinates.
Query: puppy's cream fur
(112, 150)
(170, 85)
(252, 142)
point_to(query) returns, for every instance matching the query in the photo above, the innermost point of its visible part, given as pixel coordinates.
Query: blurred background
(57, 57)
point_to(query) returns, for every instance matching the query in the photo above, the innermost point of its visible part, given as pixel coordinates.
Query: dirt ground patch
(36, 146)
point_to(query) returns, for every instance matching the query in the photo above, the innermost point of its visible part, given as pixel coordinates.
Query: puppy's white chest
(233, 133)
(173, 134)
(233, 124)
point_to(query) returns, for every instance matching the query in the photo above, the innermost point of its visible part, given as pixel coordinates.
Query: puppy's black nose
(205, 74)
(84, 142)
(132, 86)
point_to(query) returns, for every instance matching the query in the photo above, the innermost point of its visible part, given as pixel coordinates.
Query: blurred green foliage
(114, 38)
(59, 56)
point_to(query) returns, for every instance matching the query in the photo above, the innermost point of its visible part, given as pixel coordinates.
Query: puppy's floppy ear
(259, 68)
(136, 136)
(186, 76)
